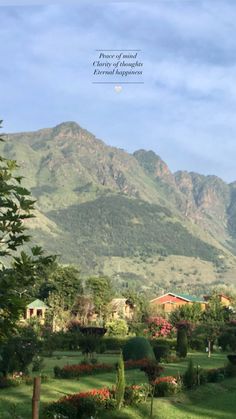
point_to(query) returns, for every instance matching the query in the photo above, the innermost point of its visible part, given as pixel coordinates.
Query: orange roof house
(170, 301)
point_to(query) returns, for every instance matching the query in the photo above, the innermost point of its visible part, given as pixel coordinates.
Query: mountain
(126, 215)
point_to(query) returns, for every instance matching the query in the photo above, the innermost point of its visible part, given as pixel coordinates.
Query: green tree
(182, 342)
(120, 382)
(100, 290)
(188, 312)
(63, 281)
(17, 272)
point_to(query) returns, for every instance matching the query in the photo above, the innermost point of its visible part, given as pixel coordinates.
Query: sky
(185, 110)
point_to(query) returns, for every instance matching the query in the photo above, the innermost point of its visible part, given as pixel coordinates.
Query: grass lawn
(195, 404)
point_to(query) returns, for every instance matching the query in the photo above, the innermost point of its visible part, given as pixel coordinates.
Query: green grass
(192, 405)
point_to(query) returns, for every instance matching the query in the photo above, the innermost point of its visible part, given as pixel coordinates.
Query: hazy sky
(185, 110)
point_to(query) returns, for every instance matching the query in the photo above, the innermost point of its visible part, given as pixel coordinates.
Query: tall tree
(18, 269)
(100, 289)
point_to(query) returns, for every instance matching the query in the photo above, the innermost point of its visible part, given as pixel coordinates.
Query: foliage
(138, 348)
(18, 272)
(89, 344)
(152, 370)
(120, 383)
(136, 394)
(166, 386)
(79, 370)
(117, 327)
(81, 405)
(182, 342)
(18, 351)
(158, 327)
(38, 363)
(161, 351)
(215, 375)
(115, 343)
(190, 375)
(227, 338)
(188, 312)
(232, 359)
(100, 289)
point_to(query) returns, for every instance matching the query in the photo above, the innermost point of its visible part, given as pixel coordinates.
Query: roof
(37, 304)
(185, 297)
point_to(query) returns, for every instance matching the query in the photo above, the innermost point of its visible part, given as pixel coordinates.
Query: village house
(36, 309)
(170, 301)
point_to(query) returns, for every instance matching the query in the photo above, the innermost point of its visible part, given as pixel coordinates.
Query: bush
(138, 348)
(152, 370)
(89, 344)
(232, 359)
(190, 375)
(182, 343)
(57, 410)
(230, 370)
(166, 386)
(198, 343)
(81, 405)
(117, 327)
(161, 351)
(79, 370)
(136, 394)
(114, 343)
(18, 352)
(215, 375)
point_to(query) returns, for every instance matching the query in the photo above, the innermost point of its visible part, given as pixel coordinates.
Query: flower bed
(166, 386)
(86, 404)
(77, 370)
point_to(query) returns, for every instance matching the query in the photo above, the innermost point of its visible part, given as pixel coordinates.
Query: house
(36, 309)
(121, 308)
(225, 301)
(170, 301)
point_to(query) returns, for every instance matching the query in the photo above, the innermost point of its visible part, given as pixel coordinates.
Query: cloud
(185, 108)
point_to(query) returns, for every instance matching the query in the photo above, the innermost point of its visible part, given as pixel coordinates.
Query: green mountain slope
(97, 204)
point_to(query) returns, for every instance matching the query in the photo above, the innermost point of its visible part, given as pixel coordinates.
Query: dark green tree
(182, 342)
(191, 313)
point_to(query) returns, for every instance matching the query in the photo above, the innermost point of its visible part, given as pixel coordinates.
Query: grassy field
(195, 404)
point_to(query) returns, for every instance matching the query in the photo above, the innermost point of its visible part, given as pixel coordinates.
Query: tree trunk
(209, 348)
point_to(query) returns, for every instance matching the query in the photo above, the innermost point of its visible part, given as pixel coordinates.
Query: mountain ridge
(70, 171)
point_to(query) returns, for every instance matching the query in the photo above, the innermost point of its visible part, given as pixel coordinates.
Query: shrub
(215, 375)
(81, 405)
(166, 386)
(197, 343)
(120, 383)
(182, 343)
(89, 344)
(230, 370)
(161, 351)
(78, 370)
(18, 352)
(190, 375)
(232, 359)
(136, 394)
(152, 370)
(117, 327)
(138, 348)
(158, 327)
(114, 343)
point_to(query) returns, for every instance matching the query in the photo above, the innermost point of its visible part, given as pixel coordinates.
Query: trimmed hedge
(138, 348)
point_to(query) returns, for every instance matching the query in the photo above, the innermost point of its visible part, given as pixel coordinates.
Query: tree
(19, 272)
(120, 382)
(100, 290)
(189, 312)
(182, 342)
(117, 327)
(64, 281)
